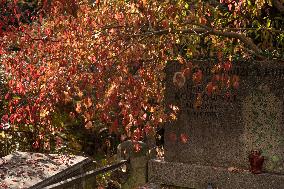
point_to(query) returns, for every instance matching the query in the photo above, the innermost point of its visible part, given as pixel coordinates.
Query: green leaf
(249, 3)
(268, 23)
(186, 5)
(17, 97)
(255, 23)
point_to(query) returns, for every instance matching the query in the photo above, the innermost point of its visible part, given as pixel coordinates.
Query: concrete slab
(21, 170)
(198, 176)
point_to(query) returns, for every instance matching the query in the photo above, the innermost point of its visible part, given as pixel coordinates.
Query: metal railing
(70, 178)
(67, 173)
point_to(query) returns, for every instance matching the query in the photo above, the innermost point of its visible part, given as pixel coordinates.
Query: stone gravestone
(263, 126)
(223, 129)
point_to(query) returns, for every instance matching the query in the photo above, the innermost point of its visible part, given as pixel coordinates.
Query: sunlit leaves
(104, 64)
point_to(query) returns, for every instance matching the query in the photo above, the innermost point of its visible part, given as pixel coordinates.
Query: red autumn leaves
(215, 80)
(220, 79)
(183, 137)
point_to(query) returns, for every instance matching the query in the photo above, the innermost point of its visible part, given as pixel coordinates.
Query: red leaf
(148, 129)
(227, 66)
(5, 118)
(114, 126)
(187, 72)
(89, 125)
(209, 88)
(12, 118)
(36, 145)
(137, 134)
(197, 77)
(236, 85)
(230, 7)
(137, 147)
(179, 79)
(183, 138)
(7, 96)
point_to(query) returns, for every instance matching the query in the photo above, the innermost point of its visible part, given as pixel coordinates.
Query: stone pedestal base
(198, 176)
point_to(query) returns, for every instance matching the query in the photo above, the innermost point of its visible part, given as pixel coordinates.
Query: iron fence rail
(67, 173)
(81, 178)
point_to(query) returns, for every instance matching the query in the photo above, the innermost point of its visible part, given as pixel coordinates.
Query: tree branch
(209, 31)
(247, 41)
(255, 29)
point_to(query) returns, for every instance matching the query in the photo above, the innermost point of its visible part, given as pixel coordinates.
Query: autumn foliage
(101, 63)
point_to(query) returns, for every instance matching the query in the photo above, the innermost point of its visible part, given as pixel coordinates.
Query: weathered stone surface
(23, 169)
(138, 162)
(127, 150)
(198, 176)
(158, 186)
(150, 186)
(225, 128)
